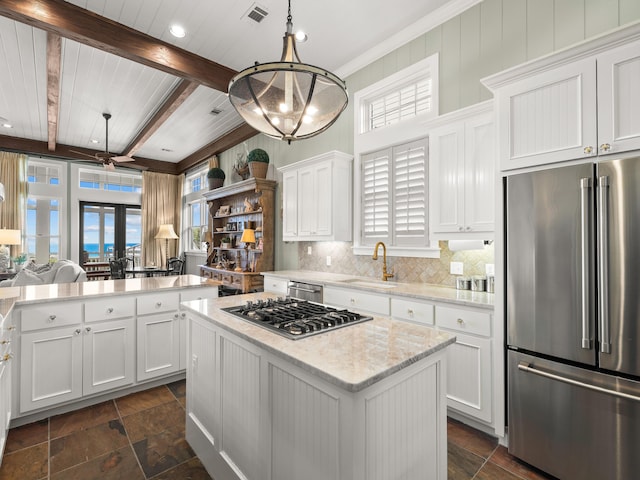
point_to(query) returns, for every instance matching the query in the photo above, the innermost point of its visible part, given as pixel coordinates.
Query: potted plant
(19, 261)
(216, 177)
(225, 242)
(258, 161)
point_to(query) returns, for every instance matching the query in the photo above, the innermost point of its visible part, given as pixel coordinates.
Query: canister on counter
(491, 283)
(479, 284)
(463, 283)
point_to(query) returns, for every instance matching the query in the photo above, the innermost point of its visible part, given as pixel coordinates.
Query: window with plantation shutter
(394, 195)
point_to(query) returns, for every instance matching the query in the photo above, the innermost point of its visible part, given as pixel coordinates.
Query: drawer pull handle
(52, 318)
(88, 329)
(6, 357)
(77, 331)
(410, 312)
(460, 321)
(353, 301)
(158, 304)
(110, 310)
(5, 342)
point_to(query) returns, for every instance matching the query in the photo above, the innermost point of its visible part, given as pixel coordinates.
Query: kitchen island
(366, 401)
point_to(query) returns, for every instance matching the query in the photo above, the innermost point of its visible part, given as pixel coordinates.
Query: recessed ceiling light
(301, 36)
(177, 31)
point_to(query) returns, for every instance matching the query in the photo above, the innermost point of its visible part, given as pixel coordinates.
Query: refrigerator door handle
(603, 263)
(585, 187)
(526, 367)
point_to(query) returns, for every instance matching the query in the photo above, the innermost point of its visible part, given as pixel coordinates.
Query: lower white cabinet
(276, 285)
(6, 363)
(158, 345)
(63, 364)
(357, 300)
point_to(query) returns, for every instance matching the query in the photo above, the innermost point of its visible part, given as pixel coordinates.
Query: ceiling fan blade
(109, 166)
(86, 155)
(122, 159)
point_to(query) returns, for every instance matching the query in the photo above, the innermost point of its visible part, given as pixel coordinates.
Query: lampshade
(248, 236)
(1, 192)
(208, 237)
(166, 232)
(10, 237)
(288, 100)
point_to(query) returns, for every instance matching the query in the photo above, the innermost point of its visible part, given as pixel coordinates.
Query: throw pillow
(26, 277)
(37, 267)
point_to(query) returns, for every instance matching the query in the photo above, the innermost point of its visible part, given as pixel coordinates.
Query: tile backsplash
(406, 269)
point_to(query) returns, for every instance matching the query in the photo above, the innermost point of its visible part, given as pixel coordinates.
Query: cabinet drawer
(158, 303)
(198, 293)
(109, 308)
(357, 300)
(49, 315)
(275, 285)
(412, 310)
(467, 321)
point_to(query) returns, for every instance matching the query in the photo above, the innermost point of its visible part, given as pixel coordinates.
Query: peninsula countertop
(422, 291)
(10, 296)
(353, 357)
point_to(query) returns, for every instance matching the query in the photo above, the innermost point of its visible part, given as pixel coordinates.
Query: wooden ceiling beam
(54, 56)
(170, 105)
(68, 152)
(83, 26)
(227, 141)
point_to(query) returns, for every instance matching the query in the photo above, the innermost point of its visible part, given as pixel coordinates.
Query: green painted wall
(488, 38)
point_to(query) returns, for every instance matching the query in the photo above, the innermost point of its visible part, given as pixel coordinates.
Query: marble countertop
(352, 357)
(421, 291)
(10, 296)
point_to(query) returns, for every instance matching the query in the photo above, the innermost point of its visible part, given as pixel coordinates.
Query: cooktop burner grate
(295, 319)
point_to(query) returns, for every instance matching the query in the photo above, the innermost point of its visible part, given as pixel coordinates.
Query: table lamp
(248, 236)
(166, 233)
(8, 237)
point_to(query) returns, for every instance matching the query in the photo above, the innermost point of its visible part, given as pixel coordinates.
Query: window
(394, 196)
(116, 182)
(391, 161)
(196, 212)
(43, 173)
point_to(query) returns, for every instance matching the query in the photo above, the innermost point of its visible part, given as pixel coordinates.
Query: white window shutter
(375, 221)
(410, 194)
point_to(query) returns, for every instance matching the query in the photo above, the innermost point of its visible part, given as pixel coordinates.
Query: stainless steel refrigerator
(573, 319)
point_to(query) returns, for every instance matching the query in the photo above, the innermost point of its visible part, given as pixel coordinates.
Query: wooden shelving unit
(250, 203)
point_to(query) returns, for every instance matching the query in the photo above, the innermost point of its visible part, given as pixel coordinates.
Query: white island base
(255, 412)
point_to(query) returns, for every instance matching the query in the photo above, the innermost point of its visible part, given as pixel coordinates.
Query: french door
(108, 231)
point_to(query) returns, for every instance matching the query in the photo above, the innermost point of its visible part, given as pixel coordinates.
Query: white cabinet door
(276, 285)
(108, 350)
(469, 376)
(158, 345)
(289, 205)
(619, 99)
(549, 116)
(479, 175)
(5, 402)
(307, 219)
(323, 207)
(50, 367)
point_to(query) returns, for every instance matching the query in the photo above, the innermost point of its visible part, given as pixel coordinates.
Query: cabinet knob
(6, 357)
(77, 331)
(410, 312)
(460, 321)
(459, 229)
(5, 342)
(52, 318)
(158, 304)
(468, 228)
(353, 301)
(605, 147)
(176, 316)
(183, 315)
(588, 150)
(110, 310)
(11, 328)
(88, 329)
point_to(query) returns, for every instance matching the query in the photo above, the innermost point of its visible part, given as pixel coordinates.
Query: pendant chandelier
(288, 100)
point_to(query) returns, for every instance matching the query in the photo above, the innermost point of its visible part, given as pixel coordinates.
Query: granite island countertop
(353, 357)
(10, 296)
(421, 291)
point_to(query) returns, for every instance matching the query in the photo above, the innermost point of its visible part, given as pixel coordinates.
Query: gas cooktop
(294, 318)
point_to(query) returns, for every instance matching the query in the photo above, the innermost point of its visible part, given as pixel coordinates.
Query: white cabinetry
(6, 363)
(357, 300)
(462, 175)
(275, 285)
(186, 296)
(158, 328)
(317, 198)
(469, 371)
(574, 104)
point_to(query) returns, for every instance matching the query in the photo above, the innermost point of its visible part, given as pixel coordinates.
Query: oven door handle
(300, 289)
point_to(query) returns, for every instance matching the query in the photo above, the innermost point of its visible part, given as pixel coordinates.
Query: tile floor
(141, 437)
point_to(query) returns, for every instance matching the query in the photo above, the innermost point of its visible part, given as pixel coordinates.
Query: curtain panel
(161, 204)
(13, 175)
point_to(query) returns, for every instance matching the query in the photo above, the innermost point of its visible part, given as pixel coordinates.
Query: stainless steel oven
(305, 291)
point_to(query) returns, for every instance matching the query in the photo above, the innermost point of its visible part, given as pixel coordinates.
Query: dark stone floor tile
(136, 402)
(461, 463)
(504, 459)
(471, 439)
(30, 463)
(118, 465)
(27, 436)
(179, 389)
(490, 471)
(155, 420)
(192, 470)
(63, 425)
(163, 451)
(85, 445)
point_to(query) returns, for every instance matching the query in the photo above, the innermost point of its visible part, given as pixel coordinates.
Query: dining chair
(118, 268)
(175, 266)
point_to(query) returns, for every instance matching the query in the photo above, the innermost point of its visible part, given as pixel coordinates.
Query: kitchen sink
(369, 284)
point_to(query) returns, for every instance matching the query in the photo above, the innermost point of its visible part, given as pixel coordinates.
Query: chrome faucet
(385, 275)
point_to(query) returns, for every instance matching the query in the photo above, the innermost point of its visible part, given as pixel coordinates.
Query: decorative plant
(216, 172)
(226, 240)
(258, 155)
(20, 259)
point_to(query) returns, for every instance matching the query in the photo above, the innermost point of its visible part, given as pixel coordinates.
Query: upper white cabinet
(317, 198)
(462, 175)
(574, 104)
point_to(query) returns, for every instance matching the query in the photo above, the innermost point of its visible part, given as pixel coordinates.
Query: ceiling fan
(108, 159)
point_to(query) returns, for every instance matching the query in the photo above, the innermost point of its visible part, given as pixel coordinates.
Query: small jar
(463, 283)
(479, 284)
(491, 283)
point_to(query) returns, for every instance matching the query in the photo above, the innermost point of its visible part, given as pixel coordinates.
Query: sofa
(62, 271)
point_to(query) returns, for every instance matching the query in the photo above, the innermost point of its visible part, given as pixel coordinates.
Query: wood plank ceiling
(166, 96)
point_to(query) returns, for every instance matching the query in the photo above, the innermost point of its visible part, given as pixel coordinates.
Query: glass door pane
(109, 231)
